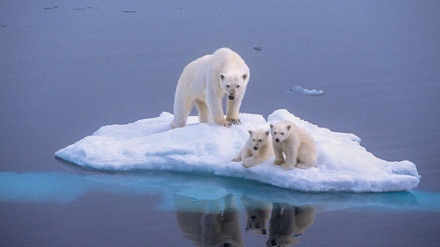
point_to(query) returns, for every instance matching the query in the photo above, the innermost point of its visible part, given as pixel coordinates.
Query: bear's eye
(260, 140)
(244, 76)
(222, 76)
(227, 86)
(282, 133)
(238, 86)
(274, 133)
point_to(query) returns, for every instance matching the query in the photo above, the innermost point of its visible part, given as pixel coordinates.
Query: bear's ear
(271, 126)
(288, 127)
(250, 132)
(244, 76)
(267, 132)
(222, 76)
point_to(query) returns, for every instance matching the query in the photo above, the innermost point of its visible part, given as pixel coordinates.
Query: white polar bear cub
(205, 81)
(256, 150)
(298, 146)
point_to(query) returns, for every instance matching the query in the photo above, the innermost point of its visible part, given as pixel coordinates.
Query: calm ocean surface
(67, 69)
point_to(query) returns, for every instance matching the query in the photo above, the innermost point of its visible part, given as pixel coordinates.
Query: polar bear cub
(297, 145)
(256, 150)
(205, 81)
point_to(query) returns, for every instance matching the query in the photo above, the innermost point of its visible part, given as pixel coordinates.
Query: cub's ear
(250, 132)
(267, 132)
(222, 76)
(244, 76)
(288, 127)
(271, 126)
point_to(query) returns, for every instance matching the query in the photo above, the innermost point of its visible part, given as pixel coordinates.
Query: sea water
(67, 69)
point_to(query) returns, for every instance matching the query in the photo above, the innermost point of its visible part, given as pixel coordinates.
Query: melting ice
(150, 144)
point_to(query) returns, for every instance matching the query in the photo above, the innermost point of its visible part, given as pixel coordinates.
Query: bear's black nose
(277, 140)
(255, 148)
(231, 97)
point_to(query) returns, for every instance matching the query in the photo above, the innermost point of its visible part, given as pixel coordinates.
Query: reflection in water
(287, 223)
(61, 187)
(206, 223)
(258, 213)
(207, 208)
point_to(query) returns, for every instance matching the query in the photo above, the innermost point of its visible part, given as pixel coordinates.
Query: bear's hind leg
(303, 166)
(306, 157)
(287, 166)
(202, 108)
(181, 112)
(237, 157)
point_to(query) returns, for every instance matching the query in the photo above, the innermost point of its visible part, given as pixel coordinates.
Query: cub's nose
(255, 148)
(277, 139)
(231, 97)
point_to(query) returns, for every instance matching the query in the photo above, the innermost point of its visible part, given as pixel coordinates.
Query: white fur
(205, 81)
(297, 145)
(257, 148)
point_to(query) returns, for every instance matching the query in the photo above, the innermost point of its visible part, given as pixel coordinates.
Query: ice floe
(150, 144)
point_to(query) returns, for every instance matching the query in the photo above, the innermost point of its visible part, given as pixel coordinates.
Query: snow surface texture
(150, 144)
(310, 92)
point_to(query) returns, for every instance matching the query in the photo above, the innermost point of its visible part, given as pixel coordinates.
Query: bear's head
(234, 84)
(280, 132)
(256, 224)
(258, 138)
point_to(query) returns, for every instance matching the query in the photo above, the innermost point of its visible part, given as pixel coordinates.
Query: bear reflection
(286, 222)
(206, 223)
(258, 213)
(215, 223)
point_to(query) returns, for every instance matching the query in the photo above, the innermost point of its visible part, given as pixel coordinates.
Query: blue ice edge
(63, 187)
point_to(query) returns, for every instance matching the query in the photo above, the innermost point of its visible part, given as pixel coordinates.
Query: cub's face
(258, 138)
(256, 224)
(233, 84)
(280, 132)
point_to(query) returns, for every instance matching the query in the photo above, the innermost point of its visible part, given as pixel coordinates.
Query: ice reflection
(62, 187)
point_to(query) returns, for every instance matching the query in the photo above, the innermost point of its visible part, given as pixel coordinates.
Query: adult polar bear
(205, 81)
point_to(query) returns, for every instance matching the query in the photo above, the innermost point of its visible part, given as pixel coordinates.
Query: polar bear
(205, 81)
(298, 146)
(257, 148)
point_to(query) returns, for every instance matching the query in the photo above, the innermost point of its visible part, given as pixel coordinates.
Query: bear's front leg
(241, 155)
(291, 158)
(249, 162)
(252, 161)
(279, 159)
(232, 110)
(215, 109)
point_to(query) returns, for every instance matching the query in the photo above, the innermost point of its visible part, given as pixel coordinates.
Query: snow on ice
(150, 144)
